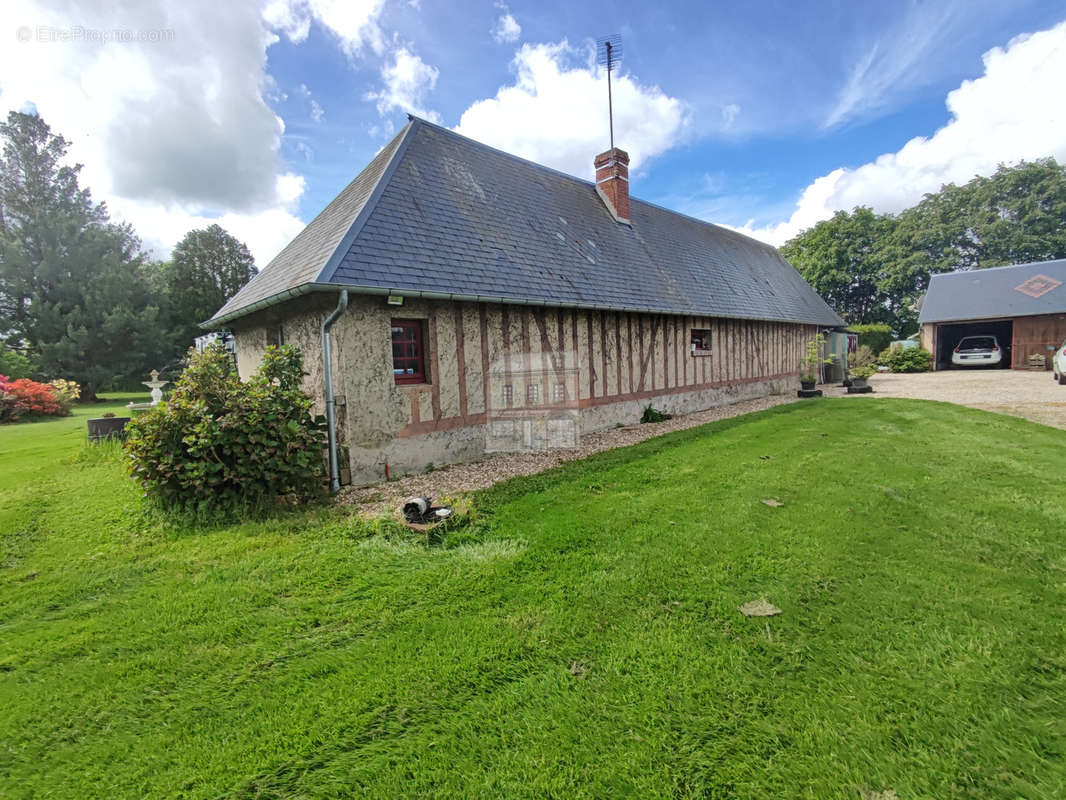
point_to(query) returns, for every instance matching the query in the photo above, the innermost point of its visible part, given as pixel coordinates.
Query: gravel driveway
(1032, 395)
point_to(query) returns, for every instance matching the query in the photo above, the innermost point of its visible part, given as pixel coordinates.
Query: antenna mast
(609, 55)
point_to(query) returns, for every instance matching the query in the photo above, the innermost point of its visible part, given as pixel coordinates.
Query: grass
(584, 643)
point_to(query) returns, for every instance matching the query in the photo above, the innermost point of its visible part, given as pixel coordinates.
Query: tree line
(875, 268)
(79, 297)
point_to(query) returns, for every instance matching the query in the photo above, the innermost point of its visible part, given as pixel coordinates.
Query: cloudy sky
(766, 116)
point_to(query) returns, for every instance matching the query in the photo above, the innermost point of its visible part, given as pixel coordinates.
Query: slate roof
(1021, 290)
(439, 215)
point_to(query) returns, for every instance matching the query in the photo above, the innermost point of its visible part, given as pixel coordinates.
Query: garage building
(1023, 306)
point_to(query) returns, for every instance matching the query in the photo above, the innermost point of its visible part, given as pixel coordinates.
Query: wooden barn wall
(621, 356)
(1034, 335)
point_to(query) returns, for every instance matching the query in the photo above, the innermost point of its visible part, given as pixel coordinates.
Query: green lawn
(584, 641)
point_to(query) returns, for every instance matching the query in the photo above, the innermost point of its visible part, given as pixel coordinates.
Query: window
(700, 342)
(533, 394)
(558, 392)
(408, 361)
(508, 395)
(275, 336)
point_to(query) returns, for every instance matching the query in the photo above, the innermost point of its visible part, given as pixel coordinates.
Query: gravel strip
(459, 478)
(1020, 393)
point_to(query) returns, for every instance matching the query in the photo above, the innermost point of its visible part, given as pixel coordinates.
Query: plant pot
(807, 385)
(107, 428)
(858, 383)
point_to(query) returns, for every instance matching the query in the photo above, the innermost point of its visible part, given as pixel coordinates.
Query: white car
(1058, 364)
(977, 351)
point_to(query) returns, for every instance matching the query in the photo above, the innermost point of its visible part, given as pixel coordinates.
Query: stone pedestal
(809, 393)
(860, 389)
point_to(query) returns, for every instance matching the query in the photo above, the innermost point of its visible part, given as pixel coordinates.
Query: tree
(206, 269)
(71, 282)
(875, 268)
(843, 259)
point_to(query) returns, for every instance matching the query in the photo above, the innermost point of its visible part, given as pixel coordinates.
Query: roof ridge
(337, 256)
(591, 184)
(990, 269)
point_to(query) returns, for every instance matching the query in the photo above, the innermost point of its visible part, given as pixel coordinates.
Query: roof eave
(298, 291)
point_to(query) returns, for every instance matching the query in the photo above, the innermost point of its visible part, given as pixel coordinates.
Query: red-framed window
(408, 354)
(700, 342)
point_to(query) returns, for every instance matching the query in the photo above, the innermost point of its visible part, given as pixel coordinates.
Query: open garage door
(949, 335)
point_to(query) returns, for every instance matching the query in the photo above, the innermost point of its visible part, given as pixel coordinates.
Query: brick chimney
(612, 182)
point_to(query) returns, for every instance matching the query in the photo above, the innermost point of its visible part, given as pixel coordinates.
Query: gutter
(331, 411)
(307, 288)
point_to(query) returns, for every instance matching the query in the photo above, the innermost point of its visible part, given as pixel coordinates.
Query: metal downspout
(331, 415)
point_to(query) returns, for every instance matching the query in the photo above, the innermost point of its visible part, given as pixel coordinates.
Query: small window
(275, 336)
(558, 392)
(533, 394)
(408, 360)
(700, 342)
(508, 395)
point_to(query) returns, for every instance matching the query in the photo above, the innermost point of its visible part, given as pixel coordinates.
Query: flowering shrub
(66, 392)
(221, 445)
(7, 400)
(26, 398)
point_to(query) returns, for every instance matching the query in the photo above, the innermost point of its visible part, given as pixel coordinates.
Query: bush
(7, 400)
(14, 364)
(875, 335)
(66, 392)
(220, 445)
(23, 398)
(654, 415)
(906, 359)
(861, 362)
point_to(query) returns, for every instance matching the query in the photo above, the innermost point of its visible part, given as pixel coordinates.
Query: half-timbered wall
(625, 361)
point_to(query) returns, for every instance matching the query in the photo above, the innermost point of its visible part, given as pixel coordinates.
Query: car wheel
(1062, 380)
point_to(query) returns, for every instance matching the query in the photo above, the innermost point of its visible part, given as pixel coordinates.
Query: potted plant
(861, 365)
(810, 365)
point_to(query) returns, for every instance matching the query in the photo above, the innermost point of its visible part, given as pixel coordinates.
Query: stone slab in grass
(759, 608)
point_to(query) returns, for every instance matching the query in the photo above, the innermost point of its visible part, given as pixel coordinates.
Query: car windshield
(977, 343)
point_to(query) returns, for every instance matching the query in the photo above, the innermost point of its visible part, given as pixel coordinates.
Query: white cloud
(407, 80)
(317, 112)
(1013, 112)
(355, 23)
(162, 225)
(555, 112)
(173, 132)
(289, 17)
(898, 58)
(507, 28)
(730, 112)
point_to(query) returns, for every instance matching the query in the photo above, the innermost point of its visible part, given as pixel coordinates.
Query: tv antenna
(609, 55)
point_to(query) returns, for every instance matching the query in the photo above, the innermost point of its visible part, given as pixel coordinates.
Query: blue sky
(764, 116)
